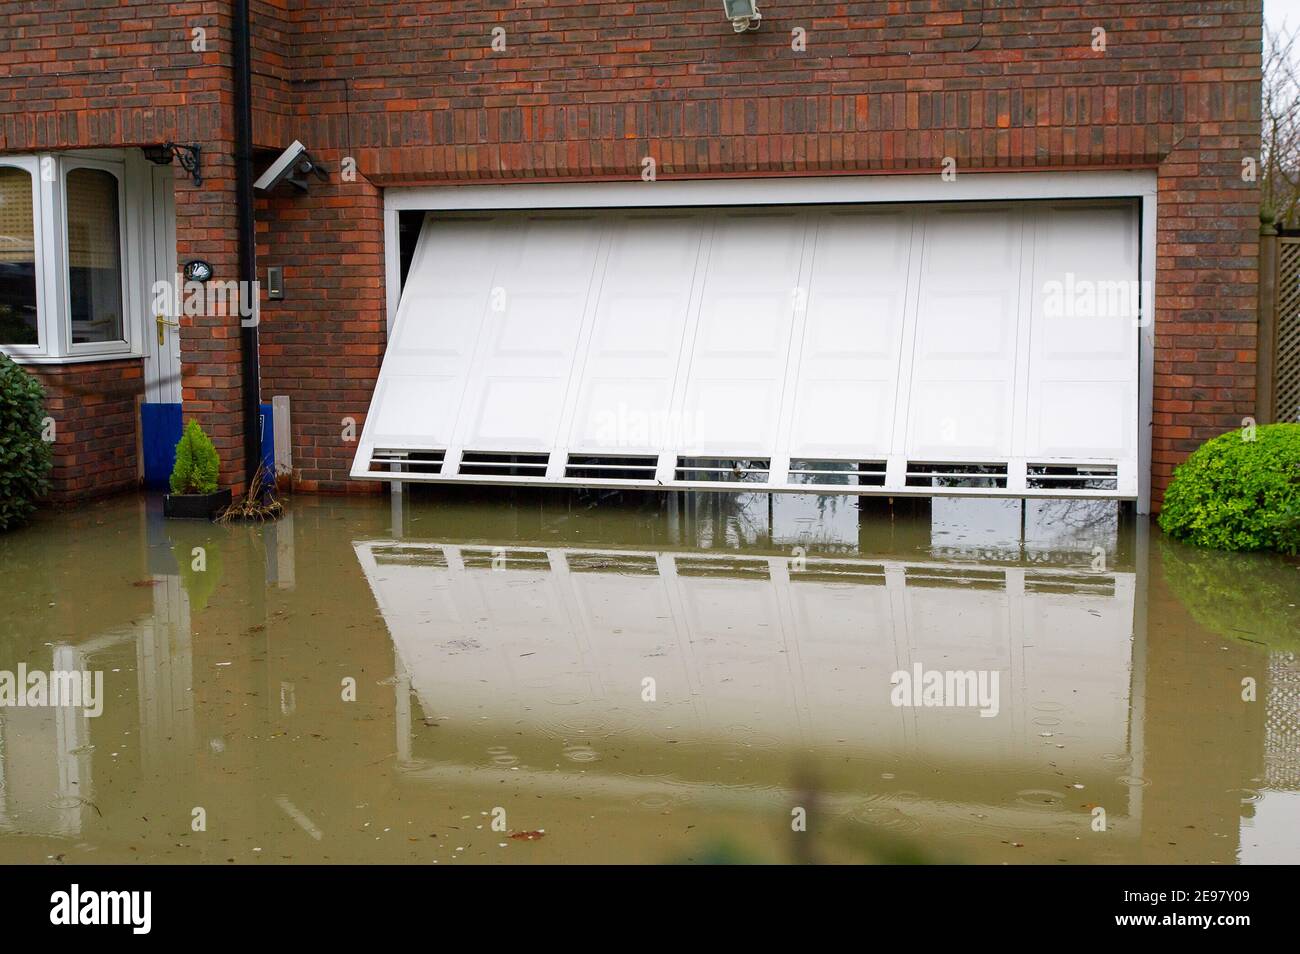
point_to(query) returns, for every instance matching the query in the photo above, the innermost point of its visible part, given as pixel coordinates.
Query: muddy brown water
(504, 677)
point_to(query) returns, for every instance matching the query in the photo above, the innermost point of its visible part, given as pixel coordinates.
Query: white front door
(162, 335)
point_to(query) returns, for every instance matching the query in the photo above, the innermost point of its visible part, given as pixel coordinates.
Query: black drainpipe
(247, 237)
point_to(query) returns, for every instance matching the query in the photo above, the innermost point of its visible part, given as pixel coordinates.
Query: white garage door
(926, 349)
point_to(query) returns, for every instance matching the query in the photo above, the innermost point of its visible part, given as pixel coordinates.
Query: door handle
(162, 324)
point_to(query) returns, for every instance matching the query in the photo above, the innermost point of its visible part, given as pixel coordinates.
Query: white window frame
(53, 301)
(32, 166)
(117, 170)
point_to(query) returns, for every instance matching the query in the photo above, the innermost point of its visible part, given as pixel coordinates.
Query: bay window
(63, 289)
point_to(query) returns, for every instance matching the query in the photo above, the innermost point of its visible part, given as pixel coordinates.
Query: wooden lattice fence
(1286, 332)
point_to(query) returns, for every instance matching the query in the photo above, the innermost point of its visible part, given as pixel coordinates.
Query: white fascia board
(785, 190)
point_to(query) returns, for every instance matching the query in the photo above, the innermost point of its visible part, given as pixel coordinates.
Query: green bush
(1238, 493)
(197, 463)
(24, 454)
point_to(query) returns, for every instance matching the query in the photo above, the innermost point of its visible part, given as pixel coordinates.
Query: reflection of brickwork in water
(1282, 729)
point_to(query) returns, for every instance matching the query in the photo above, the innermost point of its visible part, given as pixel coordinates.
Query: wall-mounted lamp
(743, 14)
(187, 155)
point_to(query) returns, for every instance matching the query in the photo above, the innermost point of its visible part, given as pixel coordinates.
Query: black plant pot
(195, 506)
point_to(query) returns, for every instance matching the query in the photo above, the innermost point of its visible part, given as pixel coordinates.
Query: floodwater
(479, 676)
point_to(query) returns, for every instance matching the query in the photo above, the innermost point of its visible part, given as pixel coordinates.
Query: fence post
(1266, 339)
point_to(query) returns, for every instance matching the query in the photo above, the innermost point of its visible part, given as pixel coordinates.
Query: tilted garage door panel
(738, 363)
(626, 384)
(914, 349)
(964, 366)
(521, 376)
(848, 362)
(1083, 361)
(427, 364)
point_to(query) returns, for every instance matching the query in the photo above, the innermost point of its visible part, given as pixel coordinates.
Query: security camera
(291, 166)
(743, 14)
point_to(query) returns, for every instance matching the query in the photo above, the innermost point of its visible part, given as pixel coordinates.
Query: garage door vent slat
(387, 460)
(840, 571)
(503, 464)
(1072, 477)
(500, 558)
(610, 467)
(621, 563)
(859, 473)
(723, 469)
(737, 567)
(386, 555)
(924, 474)
(1070, 583)
(956, 576)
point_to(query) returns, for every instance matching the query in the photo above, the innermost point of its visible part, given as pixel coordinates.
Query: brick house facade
(415, 94)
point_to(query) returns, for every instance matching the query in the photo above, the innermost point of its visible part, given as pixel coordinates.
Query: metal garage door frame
(827, 190)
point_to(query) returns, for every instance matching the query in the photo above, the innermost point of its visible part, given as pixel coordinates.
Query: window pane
(94, 256)
(17, 258)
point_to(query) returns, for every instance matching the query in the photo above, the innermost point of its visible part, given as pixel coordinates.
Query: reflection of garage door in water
(514, 637)
(973, 348)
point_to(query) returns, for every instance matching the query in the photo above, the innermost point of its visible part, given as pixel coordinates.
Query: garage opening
(986, 348)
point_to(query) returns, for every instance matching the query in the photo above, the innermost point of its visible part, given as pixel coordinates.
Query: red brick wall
(586, 88)
(75, 75)
(211, 359)
(272, 41)
(95, 423)
(1207, 270)
(322, 345)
